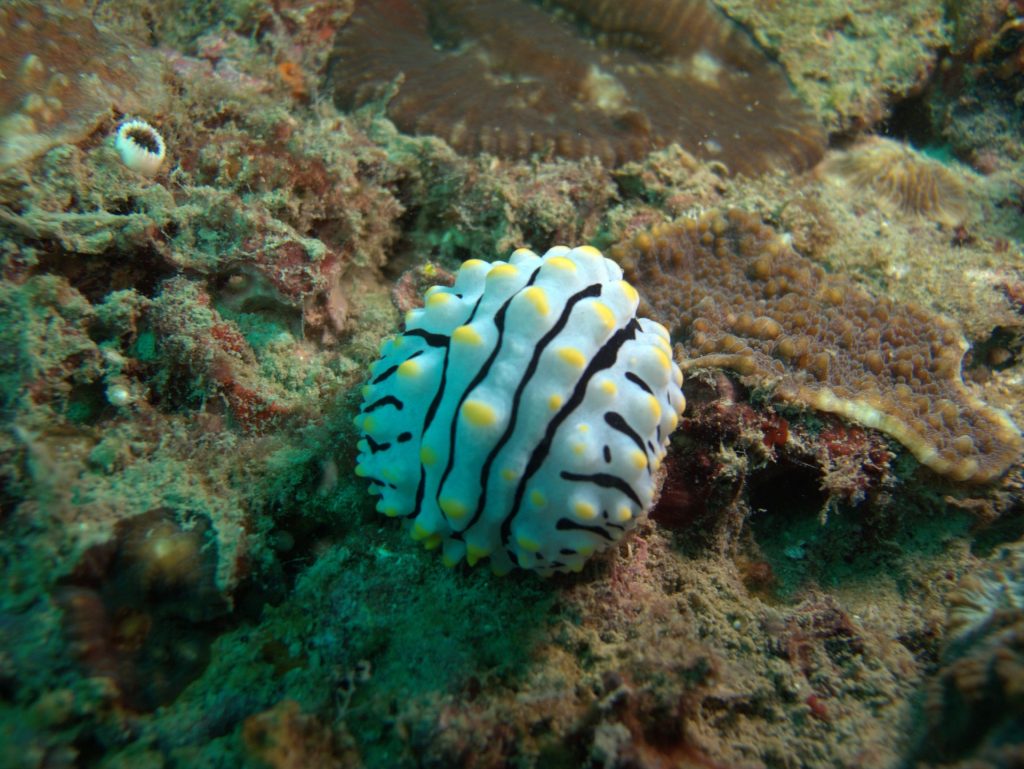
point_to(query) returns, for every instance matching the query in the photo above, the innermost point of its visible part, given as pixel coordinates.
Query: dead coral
(607, 79)
(904, 178)
(739, 297)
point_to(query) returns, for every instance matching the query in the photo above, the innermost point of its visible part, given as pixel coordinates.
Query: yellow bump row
(572, 356)
(479, 414)
(561, 263)
(537, 297)
(467, 335)
(409, 369)
(452, 507)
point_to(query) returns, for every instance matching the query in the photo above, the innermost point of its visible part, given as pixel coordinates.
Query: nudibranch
(523, 414)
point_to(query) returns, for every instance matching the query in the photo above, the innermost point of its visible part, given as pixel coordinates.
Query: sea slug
(523, 414)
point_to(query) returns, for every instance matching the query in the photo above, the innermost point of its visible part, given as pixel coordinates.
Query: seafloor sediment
(192, 574)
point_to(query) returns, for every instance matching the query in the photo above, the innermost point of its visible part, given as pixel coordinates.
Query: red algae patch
(61, 74)
(575, 79)
(737, 296)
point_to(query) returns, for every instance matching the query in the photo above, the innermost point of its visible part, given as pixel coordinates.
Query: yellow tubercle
(572, 356)
(438, 299)
(655, 408)
(631, 295)
(479, 414)
(528, 544)
(419, 531)
(639, 459)
(663, 360)
(409, 369)
(361, 471)
(623, 513)
(537, 499)
(502, 270)
(467, 335)
(561, 263)
(588, 251)
(555, 402)
(605, 315)
(585, 511)
(453, 508)
(608, 387)
(475, 553)
(472, 264)
(431, 542)
(427, 455)
(538, 298)
(509, 474)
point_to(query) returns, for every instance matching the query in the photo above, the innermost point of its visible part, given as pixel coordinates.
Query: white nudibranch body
(523, 414)
(140, 146)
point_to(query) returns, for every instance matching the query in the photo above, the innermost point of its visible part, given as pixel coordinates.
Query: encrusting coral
(611, 79)
(524, 413)
(737, 296)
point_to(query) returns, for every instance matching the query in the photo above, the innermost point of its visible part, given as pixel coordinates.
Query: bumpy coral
(524, 413)
(738, 296)
(611, 79)
(903, 178)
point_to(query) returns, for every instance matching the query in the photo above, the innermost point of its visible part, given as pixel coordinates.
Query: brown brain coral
(738, 296)
(574, 78)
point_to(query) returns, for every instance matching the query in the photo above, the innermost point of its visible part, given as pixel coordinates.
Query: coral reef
(580, 79)
(738, 296)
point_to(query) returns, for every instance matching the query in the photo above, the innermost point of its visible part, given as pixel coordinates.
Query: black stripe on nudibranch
(374, 446)
(403, 437)
(528, 372)
(392, 369)
(604, 480)
(432, 339)
(387, 400)
(603, 359)
(607, 453)
(616, 421)
(481, 374)
(567, 524)
(639, 382)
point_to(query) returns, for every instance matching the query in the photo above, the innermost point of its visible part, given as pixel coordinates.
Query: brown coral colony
(739, 297)
(606, 78)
